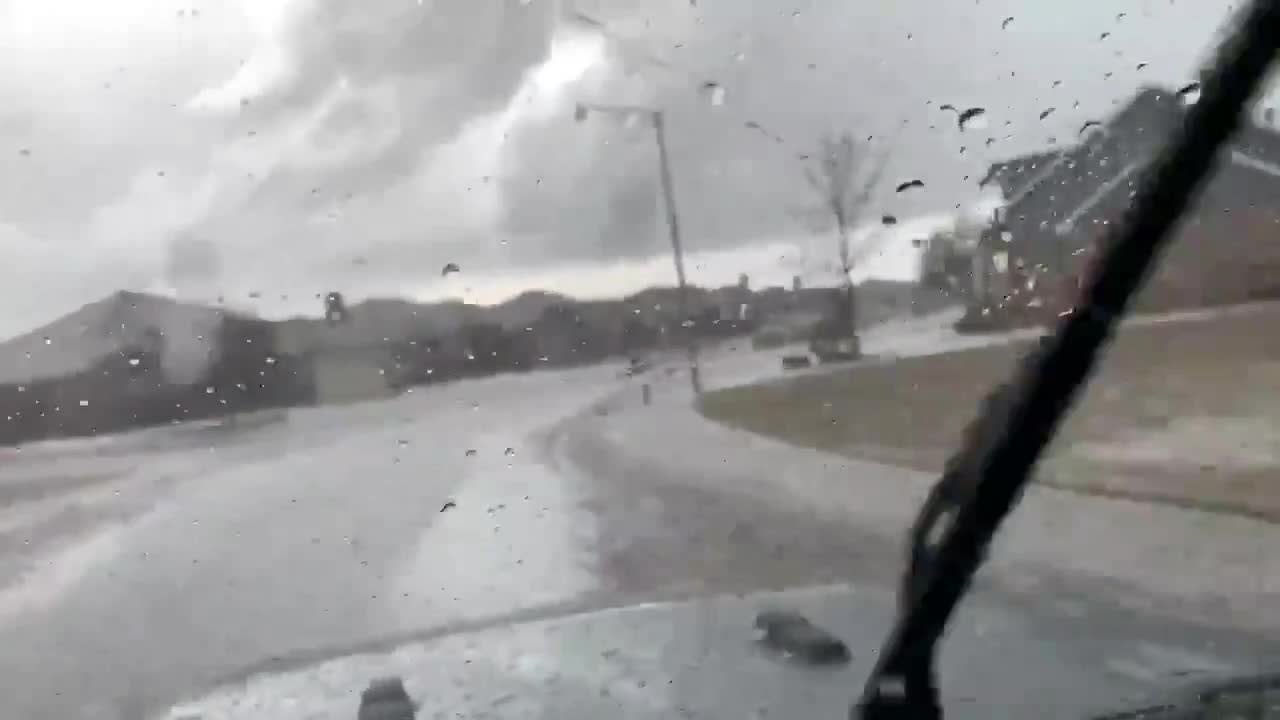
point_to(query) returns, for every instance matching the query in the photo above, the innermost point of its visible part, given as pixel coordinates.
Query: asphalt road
(197, 555)
(139, 569)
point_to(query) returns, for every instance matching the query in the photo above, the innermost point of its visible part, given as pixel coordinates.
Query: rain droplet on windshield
(471, 452)
(1006, 23)
(1089, 125)
(1046, 112)
(973, 118)
(713, 92)
(47, 340)
(1189, 94)
(909, 185)
(1104, 36)
(509, 452)
(449, 268)
(888, 220)
(1142, 66)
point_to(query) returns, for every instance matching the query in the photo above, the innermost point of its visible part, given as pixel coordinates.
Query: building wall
(349, 377)
(1227, 250)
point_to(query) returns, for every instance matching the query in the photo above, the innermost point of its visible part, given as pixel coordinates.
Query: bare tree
(846, 176)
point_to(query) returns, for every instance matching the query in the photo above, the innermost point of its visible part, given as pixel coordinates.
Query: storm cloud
(311, 145)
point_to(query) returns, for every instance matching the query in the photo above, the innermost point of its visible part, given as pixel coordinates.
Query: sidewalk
(1159, 559)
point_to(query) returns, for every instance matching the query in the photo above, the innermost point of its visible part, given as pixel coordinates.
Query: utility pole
(658, 121)
(677, 247)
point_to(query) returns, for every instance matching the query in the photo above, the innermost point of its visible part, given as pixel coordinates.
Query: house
(345, 363)
(1059, 204)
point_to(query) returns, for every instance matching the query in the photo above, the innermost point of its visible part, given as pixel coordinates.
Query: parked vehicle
(637, 366)
(796, 362)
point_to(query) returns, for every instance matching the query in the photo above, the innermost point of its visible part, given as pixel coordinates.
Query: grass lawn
(1186, 412)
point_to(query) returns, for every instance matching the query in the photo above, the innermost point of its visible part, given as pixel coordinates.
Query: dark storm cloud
(346, 171)
(415, 75)
(582, 191)
(791, 73)
(438, 64)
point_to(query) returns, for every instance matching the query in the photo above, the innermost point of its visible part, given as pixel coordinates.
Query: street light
(658, 120)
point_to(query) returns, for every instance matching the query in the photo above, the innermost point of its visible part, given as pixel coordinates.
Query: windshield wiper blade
(986, 477)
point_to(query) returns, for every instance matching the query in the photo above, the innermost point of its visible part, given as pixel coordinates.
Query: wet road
(323, 530)
(172, 559)
(212, 554)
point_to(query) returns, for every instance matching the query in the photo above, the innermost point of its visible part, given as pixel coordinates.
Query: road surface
(174, 560)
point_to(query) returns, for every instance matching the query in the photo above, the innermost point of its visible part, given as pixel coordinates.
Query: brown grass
(1173, 415)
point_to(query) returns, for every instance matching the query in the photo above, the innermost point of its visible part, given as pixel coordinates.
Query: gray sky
(290, 147)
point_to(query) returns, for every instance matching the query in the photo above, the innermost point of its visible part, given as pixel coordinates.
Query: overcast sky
(291, 147)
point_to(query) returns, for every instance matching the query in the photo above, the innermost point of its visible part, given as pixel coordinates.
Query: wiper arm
(988, 474)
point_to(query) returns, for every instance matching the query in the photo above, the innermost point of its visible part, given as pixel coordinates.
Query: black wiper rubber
(988, 474)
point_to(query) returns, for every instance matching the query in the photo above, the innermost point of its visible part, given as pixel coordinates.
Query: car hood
(1047, 658)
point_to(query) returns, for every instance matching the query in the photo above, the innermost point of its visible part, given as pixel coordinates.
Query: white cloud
(269, 64)
(268, 67)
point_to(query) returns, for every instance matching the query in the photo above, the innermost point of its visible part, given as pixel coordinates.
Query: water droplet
(909, 185)
(1104, 36)
(471, 452)
(888, 220)
(402, 442)
(1121, 16)
(1142, 66)
(1046, 112)
(1189, 94)
(449, 268)
(714, 93)
(47, 340)
(448, 505)
(974, 118)
(1089, 125)
(509, 452)
(1006, 23)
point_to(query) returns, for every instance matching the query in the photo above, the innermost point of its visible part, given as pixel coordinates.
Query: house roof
(1012, 175)
(78, 341)
(1061, 190)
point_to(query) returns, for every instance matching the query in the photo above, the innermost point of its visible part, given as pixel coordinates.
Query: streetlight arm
(582, 109)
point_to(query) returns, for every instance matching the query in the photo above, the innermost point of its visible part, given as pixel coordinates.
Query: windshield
(336, 328)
